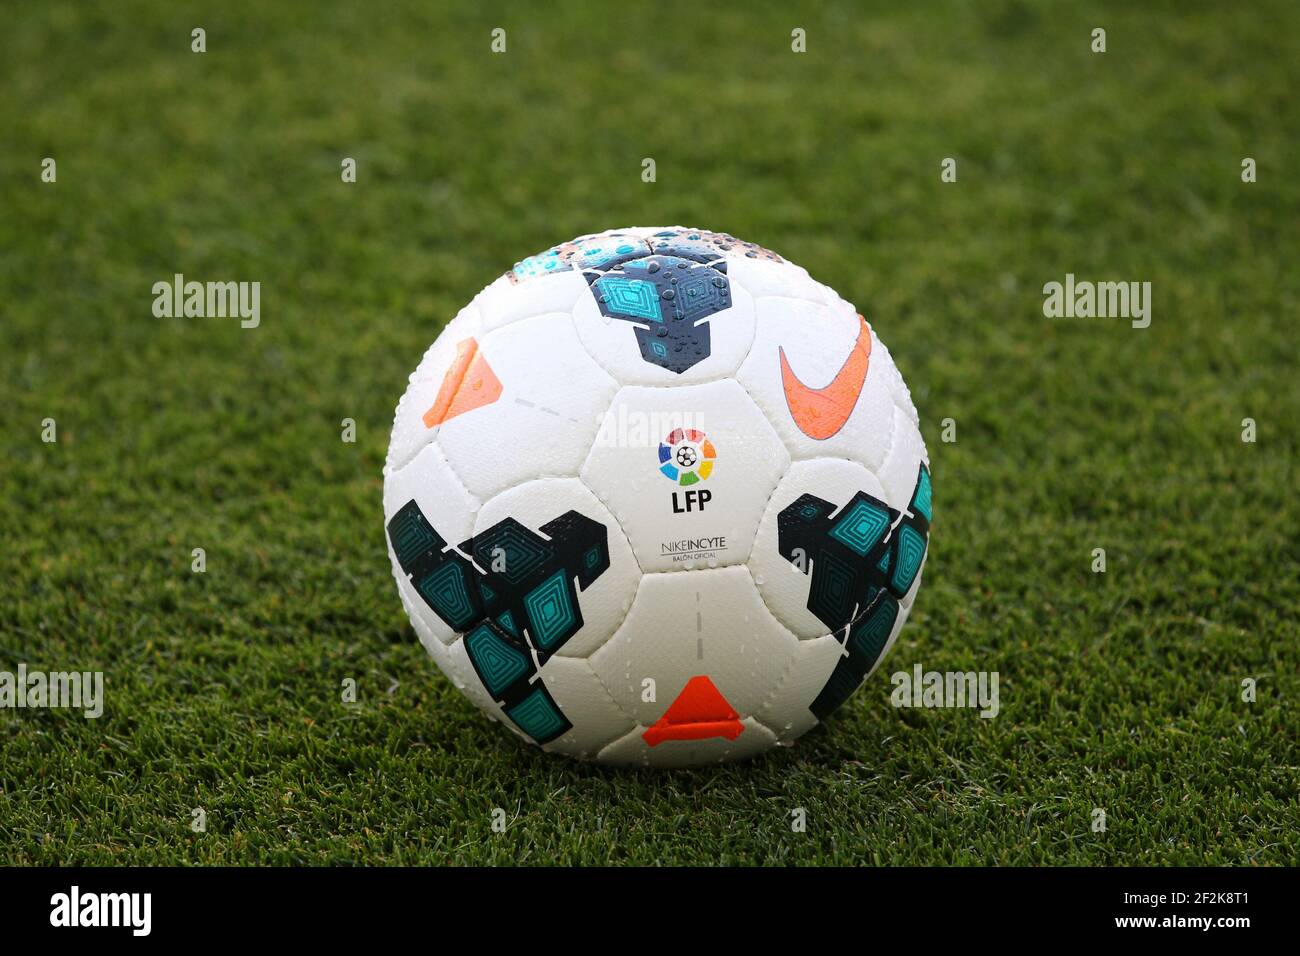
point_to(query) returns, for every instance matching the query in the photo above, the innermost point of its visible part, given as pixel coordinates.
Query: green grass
(1119, 691)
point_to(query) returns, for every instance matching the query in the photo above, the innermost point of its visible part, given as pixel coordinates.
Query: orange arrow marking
(470, 383)
(699, 712)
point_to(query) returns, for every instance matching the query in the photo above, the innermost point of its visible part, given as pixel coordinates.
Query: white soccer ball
(656, 496)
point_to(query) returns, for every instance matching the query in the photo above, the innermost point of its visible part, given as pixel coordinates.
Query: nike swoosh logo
(821, 412)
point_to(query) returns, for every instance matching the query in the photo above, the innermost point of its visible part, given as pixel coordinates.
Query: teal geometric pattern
(446, 589)
(631, 298)
(869, 635)
(507, 620)
(844, 680)
(674, 279)
(867, 639)
(550, 615)
(504, 577)
(607, 250)
(921, 498)
(604, 252)
(497, 661)
(412, 536)
(911, 550)
(833, 593)
(515, 552)
(862, 525)
(541, 264)
(596, 252)
(675, 293)
(864, 559)
(538, 716)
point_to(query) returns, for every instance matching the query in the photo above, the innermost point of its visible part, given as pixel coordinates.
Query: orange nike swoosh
(821, 412)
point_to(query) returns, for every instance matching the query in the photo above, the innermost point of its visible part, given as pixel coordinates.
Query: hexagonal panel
(762, 277)
(784, 584)
(544, 416)
(566, 569)
(686, 472)
(596, 719)
(819, 379)
(631, 749)
(701, 332)
(410, 433)
(505, 302)
(787, 711)
(426, 509)
(707, 626)
(852, 553)
(906, 453)
(462, 674)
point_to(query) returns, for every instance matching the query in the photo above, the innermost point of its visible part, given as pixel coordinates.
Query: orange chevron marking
(470, 383)
(699, 712)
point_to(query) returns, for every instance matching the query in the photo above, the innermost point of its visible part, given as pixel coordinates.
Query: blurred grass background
(1119, 691)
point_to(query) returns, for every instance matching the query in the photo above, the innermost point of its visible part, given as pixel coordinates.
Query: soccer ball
(657, 497)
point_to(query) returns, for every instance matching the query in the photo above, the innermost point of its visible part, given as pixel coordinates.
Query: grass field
(1120, 691)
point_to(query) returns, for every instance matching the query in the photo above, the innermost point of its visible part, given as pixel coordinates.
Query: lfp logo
(686, 457)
